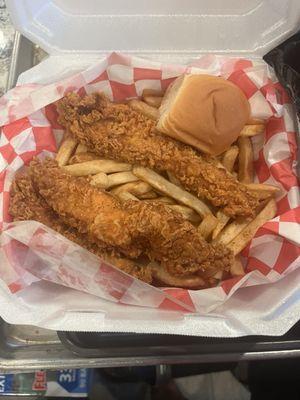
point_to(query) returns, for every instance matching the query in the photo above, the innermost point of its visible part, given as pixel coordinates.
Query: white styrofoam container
(162, 29)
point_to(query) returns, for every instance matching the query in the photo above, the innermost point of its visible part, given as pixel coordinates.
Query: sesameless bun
(204, 111)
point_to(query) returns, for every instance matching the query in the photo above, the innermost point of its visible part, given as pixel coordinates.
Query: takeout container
(157, 27)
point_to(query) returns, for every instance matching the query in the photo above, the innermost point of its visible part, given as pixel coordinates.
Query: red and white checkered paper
(30, 251)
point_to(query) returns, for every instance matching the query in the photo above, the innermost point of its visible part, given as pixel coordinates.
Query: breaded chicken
(133, 228)
(27, 204)
(117, 132)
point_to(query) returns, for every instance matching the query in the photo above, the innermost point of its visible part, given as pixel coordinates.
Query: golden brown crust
(133, 228)
(116, 131)
(27, 204)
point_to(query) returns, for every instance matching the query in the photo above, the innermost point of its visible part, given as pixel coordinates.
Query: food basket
(78, 33)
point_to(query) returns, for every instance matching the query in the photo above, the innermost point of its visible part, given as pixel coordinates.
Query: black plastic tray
(192, 348)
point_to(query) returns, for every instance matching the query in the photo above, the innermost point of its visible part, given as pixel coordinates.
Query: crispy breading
(27, 204)
(133, 228)
(118, 132)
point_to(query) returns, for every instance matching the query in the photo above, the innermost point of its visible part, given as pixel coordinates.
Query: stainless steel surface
(24, 348)
(6, 45)
(21, 59)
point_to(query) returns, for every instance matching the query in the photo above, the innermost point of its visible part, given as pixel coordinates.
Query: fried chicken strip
(27, 204)
(134, 228)
(117, 132)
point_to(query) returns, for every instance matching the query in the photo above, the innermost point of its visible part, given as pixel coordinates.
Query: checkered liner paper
(31, 252)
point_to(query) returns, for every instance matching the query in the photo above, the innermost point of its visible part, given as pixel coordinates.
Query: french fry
(207, 225)
(263, 191)
(82, 157)
(173, 179)
(256, 121)
(144, 109)
(244, 237)
(246, 171)
(223, 219)
(218, 275)
(231, 231)
(124, 196)
(95, 166)
(165, 278)
(152, 92)
(252, 130)
(186, 212)
(116, 179)
(166, 200)
(171, 190)
(153, 101)
(229, 158)
(237, 268)
(81, 148)
(100, 180)
(66, 150)
(137, 188)
(148, 196)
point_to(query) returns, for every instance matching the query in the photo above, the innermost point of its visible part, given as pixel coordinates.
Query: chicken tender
(133, 228)
(27, 204)
(118, 132)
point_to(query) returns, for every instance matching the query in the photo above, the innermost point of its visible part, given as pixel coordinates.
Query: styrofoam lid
(156, 26)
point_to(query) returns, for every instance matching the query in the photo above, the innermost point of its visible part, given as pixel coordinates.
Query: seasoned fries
(252, 130)
(207, 226)
(244, 237)
(168, 188)
(246, 170)
(264, 191)
(66, 150)
(229, 158)
(96, 166)
(144, 108)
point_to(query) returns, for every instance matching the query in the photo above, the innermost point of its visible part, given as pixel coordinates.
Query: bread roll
(204, 111)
